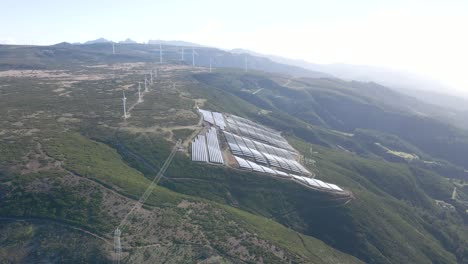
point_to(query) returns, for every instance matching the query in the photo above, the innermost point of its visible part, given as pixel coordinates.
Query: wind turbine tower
(139, 92)
(113, 48)
(193, 57)
(151, 77)
(210, 64)
(182, 54)
(117, 245)
(124, 100)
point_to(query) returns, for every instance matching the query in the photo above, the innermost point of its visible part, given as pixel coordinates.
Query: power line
(141, 201)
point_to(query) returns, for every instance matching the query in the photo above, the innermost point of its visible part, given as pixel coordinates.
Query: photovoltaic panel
(242, 163)
(299, 178)
(268, 170)
(207, 116)
(283, 174)
(312, 182)
(322, 184)
(219, 120)
(255, 166)
(335, 187)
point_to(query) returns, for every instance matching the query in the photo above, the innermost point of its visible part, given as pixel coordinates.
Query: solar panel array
(254, 147)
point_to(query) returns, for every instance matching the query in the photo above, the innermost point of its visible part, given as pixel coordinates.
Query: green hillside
(71, 168)
(347, 106)
(77, 196)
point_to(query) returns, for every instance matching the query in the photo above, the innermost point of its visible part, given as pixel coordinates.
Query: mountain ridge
(406, 82)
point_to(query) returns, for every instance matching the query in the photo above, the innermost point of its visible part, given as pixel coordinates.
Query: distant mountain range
(99, 40)
(388, 77)
(422, 87)
(175, 43)
(414, 85)
(103, 40)
(131, 41)
(128, 41)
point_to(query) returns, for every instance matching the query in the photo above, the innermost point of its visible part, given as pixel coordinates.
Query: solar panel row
(263, 153)
(271, 160)
(257, 134)
(242, 163)
(207, 116)
(280, 157)
(255, 166)
(249, 143)
(199, 150)
(232, 125)
(258, 156)
(290, 164)
(268, 170)
(247, 128)
(219, 120)
(258, 131)
(244, 149)
(265, 138)
(252, 144)
(213, 146)
(280, 173)
(317, 183)
(247, 164)
(300, 167)
(256, 125)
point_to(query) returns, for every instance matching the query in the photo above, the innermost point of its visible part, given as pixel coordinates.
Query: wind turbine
(151, 77)
(146, 85)
(193, 56)
(139, 93)
(113, 48)
(124, 100)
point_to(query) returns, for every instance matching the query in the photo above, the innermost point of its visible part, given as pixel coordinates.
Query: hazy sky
(422, 36)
